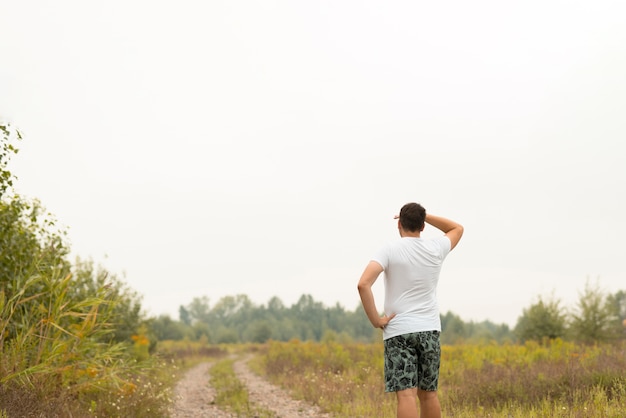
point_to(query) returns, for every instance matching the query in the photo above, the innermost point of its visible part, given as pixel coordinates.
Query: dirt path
(272, 397)
(194, 396)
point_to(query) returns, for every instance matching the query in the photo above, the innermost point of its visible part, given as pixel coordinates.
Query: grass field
(558, 379)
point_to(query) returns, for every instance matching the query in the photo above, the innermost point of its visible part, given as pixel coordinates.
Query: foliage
(616, 304)
(59, 348)
(545, 319)
(597, 317)
(455, 331)
(30, 243)
(28, 237)
(71, 337)
(236, 319)
(165, 328)
(125, 313)
(7, 148)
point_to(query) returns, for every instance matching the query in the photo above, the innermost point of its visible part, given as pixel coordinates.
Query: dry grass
(55, 358)
(558, 379)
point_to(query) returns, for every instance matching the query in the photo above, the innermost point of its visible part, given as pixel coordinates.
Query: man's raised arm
(453, 230)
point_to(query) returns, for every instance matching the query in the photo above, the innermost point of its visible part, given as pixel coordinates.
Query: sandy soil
(194, 396)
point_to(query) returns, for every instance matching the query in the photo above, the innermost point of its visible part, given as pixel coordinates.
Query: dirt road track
(194, 396)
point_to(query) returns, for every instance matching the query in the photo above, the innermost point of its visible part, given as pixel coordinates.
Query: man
(411, 324)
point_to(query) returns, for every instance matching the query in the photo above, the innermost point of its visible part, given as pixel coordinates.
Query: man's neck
(409, 234)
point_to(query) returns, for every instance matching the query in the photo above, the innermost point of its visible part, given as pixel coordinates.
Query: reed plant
(71, 345)
(56, 358)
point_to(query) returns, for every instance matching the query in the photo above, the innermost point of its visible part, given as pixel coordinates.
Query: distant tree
(260, 332)
(489, 331)
(306, 306)
(184, 316)
(336, 317)
(199, 309)
(229, 308)
(202, 331)
(545, 319)
(311, 318)
(360, 327)
(275, 306)
(238, 319)
(285, 328)
(165, 328)
(225, 335)
(502, 332)
(596, 317)
(617, 302)
(453, 329)
(272, 313)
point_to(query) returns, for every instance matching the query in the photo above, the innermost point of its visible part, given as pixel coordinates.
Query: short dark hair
(412, 217)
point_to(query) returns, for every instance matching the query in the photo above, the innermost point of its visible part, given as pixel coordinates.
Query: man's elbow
(363, 286)
(455, 235)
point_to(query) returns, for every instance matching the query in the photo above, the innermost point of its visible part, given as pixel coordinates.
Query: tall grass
(56, 358)
(530, 374)
(532, 380)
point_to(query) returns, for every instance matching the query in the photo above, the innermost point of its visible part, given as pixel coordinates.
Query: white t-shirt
(412, 267)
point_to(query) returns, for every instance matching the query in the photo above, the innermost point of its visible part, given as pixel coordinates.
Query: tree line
(236, 319)
(598, 317)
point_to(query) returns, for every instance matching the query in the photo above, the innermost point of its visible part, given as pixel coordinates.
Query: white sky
(263, 147)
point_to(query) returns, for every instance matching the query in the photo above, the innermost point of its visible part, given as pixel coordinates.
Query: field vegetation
(555, 379)
(73, 340)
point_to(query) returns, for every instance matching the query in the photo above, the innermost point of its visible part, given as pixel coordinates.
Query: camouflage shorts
(412, 360)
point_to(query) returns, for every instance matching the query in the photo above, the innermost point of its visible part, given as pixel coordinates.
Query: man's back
(412, 267)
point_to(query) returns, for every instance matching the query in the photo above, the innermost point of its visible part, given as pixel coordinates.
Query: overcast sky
(263, 147)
